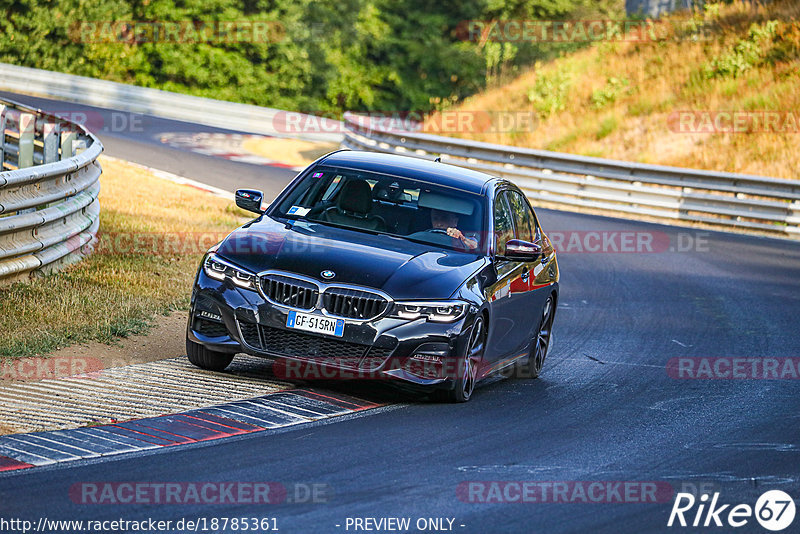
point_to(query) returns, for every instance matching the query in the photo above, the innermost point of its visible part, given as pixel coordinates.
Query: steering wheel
(318, 210)
(437, 231)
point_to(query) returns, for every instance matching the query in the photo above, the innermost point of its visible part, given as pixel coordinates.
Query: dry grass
(116, 292)
(617, 98)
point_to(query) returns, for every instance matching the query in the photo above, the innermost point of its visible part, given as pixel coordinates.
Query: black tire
(540, 345)
(468, 368)
(207, 359)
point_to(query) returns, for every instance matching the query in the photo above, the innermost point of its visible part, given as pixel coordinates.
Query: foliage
(323, 55)
(607, 127)
(745, 54)
(609, 93)
(550, 92)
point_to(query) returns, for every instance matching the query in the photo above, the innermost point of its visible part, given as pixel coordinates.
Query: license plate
(315, 323)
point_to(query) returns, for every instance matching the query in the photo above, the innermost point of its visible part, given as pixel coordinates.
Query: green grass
(561, 142)
(607, 127)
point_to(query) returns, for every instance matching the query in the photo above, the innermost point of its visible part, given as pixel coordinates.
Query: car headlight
(219, 269)
(445, 311)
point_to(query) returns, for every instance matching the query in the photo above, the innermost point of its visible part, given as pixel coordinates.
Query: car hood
(401, 268)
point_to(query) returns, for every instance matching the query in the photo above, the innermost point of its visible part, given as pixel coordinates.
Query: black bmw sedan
(382, 266)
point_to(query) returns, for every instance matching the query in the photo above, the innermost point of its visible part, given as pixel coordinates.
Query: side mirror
(517, 249)
(250, 200)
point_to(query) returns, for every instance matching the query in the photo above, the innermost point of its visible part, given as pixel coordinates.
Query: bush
(550, 92)
(607, 127)
(610, 92)
(745, 54)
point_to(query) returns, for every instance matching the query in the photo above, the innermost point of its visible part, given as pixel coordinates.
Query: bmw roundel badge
(328, 274)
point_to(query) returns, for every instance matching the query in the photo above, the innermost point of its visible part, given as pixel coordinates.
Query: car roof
(411, 167)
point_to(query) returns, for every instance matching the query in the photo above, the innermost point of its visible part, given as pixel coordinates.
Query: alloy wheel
(542, 338)
(473, 356)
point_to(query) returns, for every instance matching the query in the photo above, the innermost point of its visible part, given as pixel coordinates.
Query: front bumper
(227, 318)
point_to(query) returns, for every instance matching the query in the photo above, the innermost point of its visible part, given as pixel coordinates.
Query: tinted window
(503, 228)
(372, 202)
(523, 218)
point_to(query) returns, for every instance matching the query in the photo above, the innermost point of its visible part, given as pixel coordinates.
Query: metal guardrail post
(27, 125)
(67, 139)
(50, 131)
(78, 147)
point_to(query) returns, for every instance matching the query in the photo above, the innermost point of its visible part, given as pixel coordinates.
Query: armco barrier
(670, 194)
(49, 212)
(165, 104)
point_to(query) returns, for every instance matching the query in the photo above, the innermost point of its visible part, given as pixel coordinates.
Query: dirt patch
(165, 340)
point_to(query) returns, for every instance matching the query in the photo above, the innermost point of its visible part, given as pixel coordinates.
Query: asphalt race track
(605, 409)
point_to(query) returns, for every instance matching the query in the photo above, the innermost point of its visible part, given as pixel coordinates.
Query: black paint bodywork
(510, 294)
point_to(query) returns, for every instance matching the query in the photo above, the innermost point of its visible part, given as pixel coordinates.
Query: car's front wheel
(468, 366)
(205, 358)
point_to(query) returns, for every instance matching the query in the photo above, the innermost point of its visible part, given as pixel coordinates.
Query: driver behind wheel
(448, 221)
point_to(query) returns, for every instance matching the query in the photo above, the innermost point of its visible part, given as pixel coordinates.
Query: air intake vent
(287, 291)
(210, 328)
(353, 304)
(301, 346)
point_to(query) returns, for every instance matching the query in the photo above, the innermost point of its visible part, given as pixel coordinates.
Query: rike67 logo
(774, 511)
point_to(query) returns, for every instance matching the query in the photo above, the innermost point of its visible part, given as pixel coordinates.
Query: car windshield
(377, 203)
